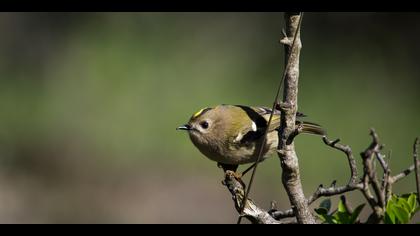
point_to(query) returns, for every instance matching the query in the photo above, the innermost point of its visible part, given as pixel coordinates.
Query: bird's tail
(312, 128)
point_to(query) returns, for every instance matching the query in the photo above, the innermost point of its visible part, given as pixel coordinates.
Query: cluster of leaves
(340, 216)
(400, 209)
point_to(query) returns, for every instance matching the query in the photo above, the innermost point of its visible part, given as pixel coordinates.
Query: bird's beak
(184, 127)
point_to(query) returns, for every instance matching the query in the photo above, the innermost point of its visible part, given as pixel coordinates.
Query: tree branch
(377, 200)
(286, 150)
(416, 167)
(370, 173)
(402, 174)
(250, 211)
(346, 150)
(334, 190)
(283, 214)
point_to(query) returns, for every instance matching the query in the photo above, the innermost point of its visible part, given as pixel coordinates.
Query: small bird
(231, 135)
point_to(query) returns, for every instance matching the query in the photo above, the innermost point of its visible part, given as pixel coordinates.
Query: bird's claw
(237, 176)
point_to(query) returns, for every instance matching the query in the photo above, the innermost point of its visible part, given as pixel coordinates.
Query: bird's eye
(204, 124)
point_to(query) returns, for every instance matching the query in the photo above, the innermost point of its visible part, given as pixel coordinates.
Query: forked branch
(250, 211)
(381, 191)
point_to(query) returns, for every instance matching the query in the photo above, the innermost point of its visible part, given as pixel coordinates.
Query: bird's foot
(231, 170)
(237, 176)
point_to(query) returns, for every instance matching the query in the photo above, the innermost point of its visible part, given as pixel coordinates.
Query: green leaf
(332, 220)
(406, 195)
(402, 215)
(326, 204)
(356, 213)
(343, 217)
(412, 202)
(341, 207)
(322, 218)
(404, 204)
(389, 213)
(393, 198)
(321, 211)
(328, 219)
(389, 218)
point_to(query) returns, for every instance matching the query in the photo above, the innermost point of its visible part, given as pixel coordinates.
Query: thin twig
(386, 170)
(366, 191)
(250, 211)
(388, 185)
(402, 174)
(347, 150)
(416, 165)
(381, 160)
(369, 169)
(283, 214)
(334, 190)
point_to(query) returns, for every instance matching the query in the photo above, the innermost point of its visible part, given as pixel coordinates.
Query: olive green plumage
(231, 134)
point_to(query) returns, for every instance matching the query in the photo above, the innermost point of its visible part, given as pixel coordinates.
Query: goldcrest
(232, 134)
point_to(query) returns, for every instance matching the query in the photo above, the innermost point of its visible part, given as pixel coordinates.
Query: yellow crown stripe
(198, 113)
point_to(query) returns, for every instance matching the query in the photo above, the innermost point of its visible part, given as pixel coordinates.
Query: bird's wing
(260, 117)
(250, 129)
(307, 127)
(265, 112)
(275, 121)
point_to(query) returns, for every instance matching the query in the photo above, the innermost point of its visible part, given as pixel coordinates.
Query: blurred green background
(90, 102)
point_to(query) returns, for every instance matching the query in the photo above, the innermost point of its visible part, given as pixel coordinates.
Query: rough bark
(250, 211)
(286, 149)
